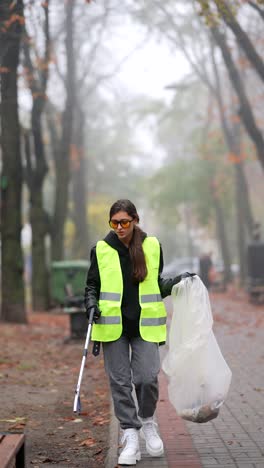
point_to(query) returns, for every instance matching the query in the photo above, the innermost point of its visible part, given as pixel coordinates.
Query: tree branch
(257, 8)
(242, 38)
(246, 113)
(198, 68)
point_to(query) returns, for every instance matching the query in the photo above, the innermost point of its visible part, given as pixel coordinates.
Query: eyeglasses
(124, 223)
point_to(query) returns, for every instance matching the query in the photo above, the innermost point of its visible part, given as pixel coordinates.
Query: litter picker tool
(77, 398)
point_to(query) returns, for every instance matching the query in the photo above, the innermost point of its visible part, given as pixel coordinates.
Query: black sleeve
(93, 283)
(166, 284)
(161, 265)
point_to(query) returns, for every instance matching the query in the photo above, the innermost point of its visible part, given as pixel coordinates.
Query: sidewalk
(179, 448)
(236, 437)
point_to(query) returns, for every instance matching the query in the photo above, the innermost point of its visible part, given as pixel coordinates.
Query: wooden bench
(12, 450)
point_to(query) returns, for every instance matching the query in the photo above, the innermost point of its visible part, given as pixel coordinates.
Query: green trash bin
(67, 278)
(78, 321)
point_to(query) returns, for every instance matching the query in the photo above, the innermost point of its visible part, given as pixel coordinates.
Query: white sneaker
(154, 444)
(130, 453)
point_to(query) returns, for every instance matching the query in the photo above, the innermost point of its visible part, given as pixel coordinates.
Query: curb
(112, 454)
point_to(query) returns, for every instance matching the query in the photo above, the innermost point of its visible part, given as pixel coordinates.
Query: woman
(124, 290)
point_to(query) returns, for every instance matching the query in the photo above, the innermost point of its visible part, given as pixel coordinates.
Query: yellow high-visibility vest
(152, 324)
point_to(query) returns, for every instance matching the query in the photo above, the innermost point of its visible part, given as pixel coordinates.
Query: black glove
(96, 312)
(187, 275)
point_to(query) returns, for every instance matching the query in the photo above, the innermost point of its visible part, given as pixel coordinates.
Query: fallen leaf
(90, 442)
(100, 421)
(17, 426)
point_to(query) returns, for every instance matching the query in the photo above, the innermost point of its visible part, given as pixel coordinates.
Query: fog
(158, 103)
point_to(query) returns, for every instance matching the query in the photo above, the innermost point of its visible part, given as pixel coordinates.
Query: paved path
(236, 437)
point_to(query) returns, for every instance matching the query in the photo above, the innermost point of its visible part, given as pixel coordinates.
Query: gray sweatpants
(127, 361)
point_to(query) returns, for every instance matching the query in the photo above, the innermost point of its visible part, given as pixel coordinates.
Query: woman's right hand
(95, 311)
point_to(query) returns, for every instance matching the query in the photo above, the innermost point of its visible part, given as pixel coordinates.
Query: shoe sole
(151, 452)
(129, 460)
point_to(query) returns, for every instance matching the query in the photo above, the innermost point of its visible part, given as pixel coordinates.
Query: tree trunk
(62, 162)
(13, 305)
(38, 219)
(244, 195)
(243, 209)
(79, 192)
(241, 234)
(40, 283)
(222, 237)
(36, 173)
(244, 224)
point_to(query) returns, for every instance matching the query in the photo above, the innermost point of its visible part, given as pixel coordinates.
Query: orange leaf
(13, 19)
(100, 421)
(4, 70)
(236, 158)
(90, 442)
(18, 426)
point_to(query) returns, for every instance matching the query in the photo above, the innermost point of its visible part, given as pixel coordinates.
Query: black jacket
(130, 307)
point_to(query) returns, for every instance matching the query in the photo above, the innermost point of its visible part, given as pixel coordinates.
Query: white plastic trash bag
(199, 377)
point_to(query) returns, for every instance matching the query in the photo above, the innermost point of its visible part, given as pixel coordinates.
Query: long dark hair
(135, 247)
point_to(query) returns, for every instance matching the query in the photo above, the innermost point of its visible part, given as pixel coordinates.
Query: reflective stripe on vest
(151, 298)
(107, 296)
(146, 322)
(152, 324)
(109, 320)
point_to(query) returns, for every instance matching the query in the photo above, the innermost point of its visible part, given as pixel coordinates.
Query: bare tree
(224, 12)
(177, 31)
(231, 128)
(79, 187)
(13, 307)
(245, 111)
(62, 154)
(80, 79)
(36, 165)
